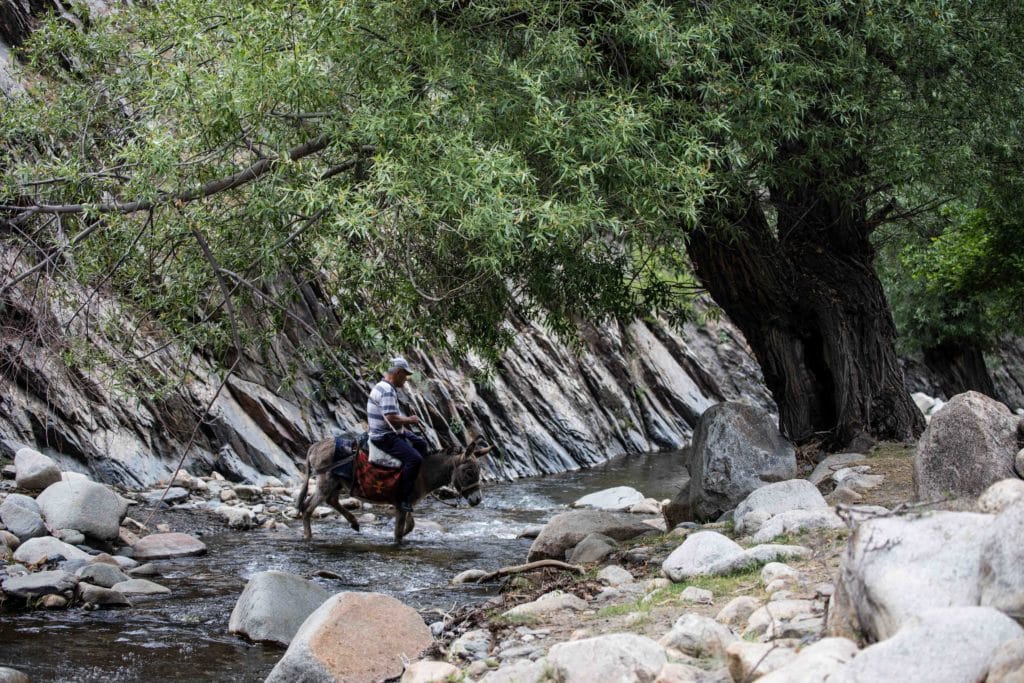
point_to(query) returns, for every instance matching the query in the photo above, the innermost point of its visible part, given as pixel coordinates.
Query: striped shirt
(383, 401)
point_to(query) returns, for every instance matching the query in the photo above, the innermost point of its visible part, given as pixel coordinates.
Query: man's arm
(397, 421)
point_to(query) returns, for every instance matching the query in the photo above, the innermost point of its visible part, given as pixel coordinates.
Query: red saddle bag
(376, 484)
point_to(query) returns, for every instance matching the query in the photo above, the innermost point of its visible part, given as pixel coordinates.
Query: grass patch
(620, 610)
(743, 581)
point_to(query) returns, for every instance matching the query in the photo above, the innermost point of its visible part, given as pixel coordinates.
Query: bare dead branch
(529, 567)
(218, 272)
(192, 437)
(49, 259)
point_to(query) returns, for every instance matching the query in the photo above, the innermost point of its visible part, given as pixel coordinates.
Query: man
(387, 428)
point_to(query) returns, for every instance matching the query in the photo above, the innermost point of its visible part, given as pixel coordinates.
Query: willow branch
(246, 175)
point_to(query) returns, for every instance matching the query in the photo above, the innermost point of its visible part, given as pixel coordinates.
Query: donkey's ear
(482, 452)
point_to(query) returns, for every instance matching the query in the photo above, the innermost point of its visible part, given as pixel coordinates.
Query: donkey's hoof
(355, 526)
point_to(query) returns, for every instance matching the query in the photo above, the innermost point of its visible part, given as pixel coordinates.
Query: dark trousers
(410, 449)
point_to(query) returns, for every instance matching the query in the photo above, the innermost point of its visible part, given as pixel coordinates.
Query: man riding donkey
(335, 464)
(388, 429)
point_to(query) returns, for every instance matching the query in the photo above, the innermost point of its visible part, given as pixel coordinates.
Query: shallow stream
(184, 636)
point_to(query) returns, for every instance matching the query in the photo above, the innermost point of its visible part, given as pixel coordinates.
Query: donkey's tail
(300, 497)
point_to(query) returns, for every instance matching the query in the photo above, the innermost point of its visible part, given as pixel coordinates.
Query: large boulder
(969, 445)
(567, 529)
(736, 449)
(22, 517)
(949, 645)
(773, 499)
(614, 657)
(33, 470)
(85, 506)
(1002, 560)
(897, 567)
(273, 606)
(354, 637)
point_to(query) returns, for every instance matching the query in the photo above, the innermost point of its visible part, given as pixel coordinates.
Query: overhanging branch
(246, 175)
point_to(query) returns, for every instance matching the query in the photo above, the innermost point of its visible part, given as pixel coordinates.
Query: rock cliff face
(547, 407)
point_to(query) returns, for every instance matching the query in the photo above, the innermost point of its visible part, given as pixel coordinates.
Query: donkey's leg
(410, 524)
(400, 523)
(332, 500)
(308, 507)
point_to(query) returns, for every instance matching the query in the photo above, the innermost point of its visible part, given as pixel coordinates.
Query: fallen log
(529, 567)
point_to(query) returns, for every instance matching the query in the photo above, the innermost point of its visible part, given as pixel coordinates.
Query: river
(184, 636)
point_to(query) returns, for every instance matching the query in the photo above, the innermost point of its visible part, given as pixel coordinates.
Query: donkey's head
(466, 473)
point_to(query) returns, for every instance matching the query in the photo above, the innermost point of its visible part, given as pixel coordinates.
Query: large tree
(438, 166)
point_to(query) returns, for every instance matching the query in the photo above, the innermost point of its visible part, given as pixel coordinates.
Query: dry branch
(529, 567)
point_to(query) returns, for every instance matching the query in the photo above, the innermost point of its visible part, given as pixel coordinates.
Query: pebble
(427, 671)
(52, 602)
(520, 652)
(777, 570)
(165, 545)
(477, 669)
(140, 587)
(9, 539)
(614, 575)
(700, 596)
(101, 597)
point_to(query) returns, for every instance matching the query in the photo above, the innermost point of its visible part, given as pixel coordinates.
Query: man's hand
(412, 420)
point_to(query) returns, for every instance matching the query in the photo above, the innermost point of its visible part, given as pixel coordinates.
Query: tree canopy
(438, 167)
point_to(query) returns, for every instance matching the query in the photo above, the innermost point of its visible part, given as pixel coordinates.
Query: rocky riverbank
(845, 572)
(890, 587)
(790, 587)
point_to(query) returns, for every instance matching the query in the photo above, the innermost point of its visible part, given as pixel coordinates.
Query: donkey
(458, 469)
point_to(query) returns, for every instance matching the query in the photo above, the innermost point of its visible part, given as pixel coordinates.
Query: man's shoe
(404, 507)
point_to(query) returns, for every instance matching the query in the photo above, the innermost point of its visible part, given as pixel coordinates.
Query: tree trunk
(808, 300)
(960, 366)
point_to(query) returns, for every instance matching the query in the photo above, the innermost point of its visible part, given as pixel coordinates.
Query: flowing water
(184, 636)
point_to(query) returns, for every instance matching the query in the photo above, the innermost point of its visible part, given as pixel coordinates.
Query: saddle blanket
(375, 484)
